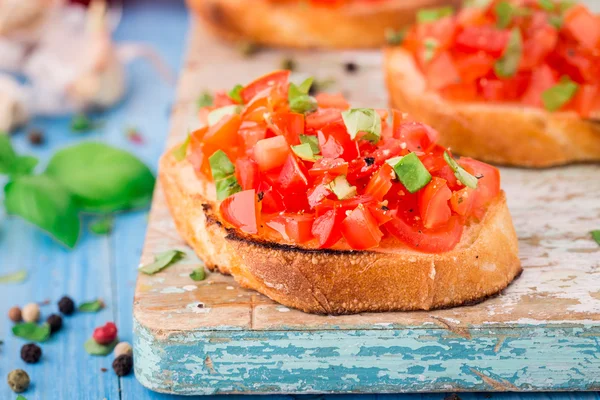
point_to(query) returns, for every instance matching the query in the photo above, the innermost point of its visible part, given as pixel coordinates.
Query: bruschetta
(309, 24)
(514, 83)
(337, 210)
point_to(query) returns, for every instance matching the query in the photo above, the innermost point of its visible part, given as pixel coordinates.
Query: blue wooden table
(105, 266)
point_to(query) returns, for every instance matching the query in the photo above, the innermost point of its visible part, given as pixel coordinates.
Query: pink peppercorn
(105, 334)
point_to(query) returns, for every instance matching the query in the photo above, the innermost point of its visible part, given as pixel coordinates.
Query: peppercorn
(15, 314)
(66, 305)
(351, 67)
(123, 348)
(31, 353)
(123, 365)
(31, 312)
(105, 334)
(18, 380)
(55, 322)
(36, 137)
(288, 63)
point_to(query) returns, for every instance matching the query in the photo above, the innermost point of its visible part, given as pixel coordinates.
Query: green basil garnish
(236, 94)
(226, 187)
(205, 100)
(394, 37)
(596, 235)
(14, 277)
(91, 306)
(180, 152)
(305, 152)
(162, 261)
(433, 14)
(341, 188)
(216, 115)
(223, 170)
(463, 176)
(96, 349)
(198, 274)
(477, 3)
(32, 331)
(299, 99)
(560, 94)
(11, 163)
(363, 120)
(431, 46)
(412, 173)
(313, 141)
(508, 64)
(505, 12)
(547, 5)
(103, 225)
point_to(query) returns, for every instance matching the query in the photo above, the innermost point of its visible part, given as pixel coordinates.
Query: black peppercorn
(55, 322)
(351, 67)
(123, 364)
(66, 305)
(31, 353)
(36, 137)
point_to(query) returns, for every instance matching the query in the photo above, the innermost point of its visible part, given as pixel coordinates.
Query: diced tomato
(269, 198)
(343, 205)
(221, 99)
(241, 210)
(583, 26)
(433, 203)
(542, 78)
(318, 193)
(318, 119)
(327, 100)
(380, 213)
(442, 31)
(251, 133)
(462, 201)
(572, 61)
(246, 171)
(294, 227)
(197, 153)
(488, 182)
(381, 182)
(488, 39)
(331, 166)
(290, 125)
(292, 177)
(441, 71)
(271, 153)
(326, 227)
(416, 135)
(264, 82)
(538, 47)
(224, 134)
(473, 66)
(584, 101)
(361, 230)
(437, 240)
(460, 92)
(335, 142)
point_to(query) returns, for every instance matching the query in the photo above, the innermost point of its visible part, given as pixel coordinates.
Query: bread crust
(342, 281)
(294, 24)
(496, 133)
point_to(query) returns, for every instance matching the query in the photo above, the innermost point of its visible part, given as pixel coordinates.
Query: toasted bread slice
(297, 24)
(394, 278)
(497, 133)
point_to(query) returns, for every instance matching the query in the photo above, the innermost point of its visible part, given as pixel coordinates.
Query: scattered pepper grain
(15, 314)
(31, 353)
(351, 67)
(36, 137)
(55, 322)
(123, 365)
(18, 380)
(31, 312)
(66, 305)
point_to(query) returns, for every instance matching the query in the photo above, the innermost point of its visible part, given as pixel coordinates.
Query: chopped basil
(313, 141)
(560, 94)
(393, 161)
(226, 187)
(433, 14)
(299, 99)
(91, 306)
(596, 235)
(363, 120)
(341, 188)
(220, 165)
(394, 37)
(477, 3)
(305, 152)
(32, 331)
(547, 5)
(96, 349)
(505, 12)
(14, 277)
(431, 46)
(205, 100)
(180, 152)
(162, 261)
(11, 163)
(463, 176)
(412, 173)
(564, 5)
(236, 94)
(216, 115)
(103, 225)
(198, 274)
(556, 21)
(508, 64)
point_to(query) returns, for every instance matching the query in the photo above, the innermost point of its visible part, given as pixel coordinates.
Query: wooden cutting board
(210, 337)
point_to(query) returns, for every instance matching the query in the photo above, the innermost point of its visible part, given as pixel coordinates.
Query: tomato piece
(264, 82)
(326, 228)
(538, 47)
(224, 134)
(380, 213)
(271, 153)
(583, 26)
(294, 227)
(327, 100)
(462, 201)
(488, 182)
(471, 67)
(361, 230)
(318, 193)
(221, 99)
(335, 142)
(198, 152)
(433, 203)
(542, 78)
(241, 210)
(270, 199)
(292, 177)
(251, 133)
(572, 61)
(442, 31)
(488, 39)
(416, 135)
(584, 101)
(322, 117)
(437, 240)
(441, 71)
(290, 125)
(381, 182)
(331, 166)
(460, 92)
(246, 171)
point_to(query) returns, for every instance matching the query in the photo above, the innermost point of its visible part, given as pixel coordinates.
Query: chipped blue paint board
(542, 333)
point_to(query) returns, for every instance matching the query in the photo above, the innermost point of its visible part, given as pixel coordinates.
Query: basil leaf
(11, 163)
(21, 397)
(299, 99)
(504, 14)
(91, 306)
(412, 173)
(220, 165)
(180, 152)
(363, 120)
(313, 141)
(102, 178)
(596, 235)
(431, 46)
(547, 5)
(216, 115)
(394, 37)
(103, 225)
(162, 261)
(46, 203)
(564, 5)
(559, 95)
(95, 349)
(81, 123)
(236, 94)
(226, 187)
(556, 21)
(305, 152)
(198, 274)
(477, 3)
(32, 331)
(466, 178)
(342, 188)
(205, 100)
(433, 14)
(14, 277)
(508, 64)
